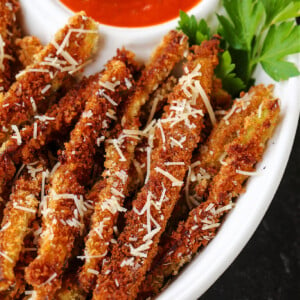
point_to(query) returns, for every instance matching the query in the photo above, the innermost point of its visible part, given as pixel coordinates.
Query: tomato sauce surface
(131, 13)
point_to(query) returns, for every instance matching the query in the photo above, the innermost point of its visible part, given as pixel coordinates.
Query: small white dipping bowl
(43, 18)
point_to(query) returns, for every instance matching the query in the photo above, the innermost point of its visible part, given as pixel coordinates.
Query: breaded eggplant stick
(9, 31)
(207, 159)
(20, 211)
(28, 48)
(140, 155)
(64, 209)
(207, 162)
(119, 155)
(177, 133)
(57, 121)
(71, 48)
(154, 105)
(203, 221)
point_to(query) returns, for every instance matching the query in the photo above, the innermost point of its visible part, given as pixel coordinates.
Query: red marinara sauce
(131, 13)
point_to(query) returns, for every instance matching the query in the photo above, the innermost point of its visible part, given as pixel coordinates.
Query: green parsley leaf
(231, 83)
(203, 32)
(280, 10)
(244, 20)
(197, 32)
(281, 40)
(253, 31)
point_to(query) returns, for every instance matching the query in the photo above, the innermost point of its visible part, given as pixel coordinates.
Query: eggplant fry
(9, 31)
(177, 132)
(70, 50)
(57, 121)
(208, 161)
(203, 221)
(64, 207)
(20, 211)
(152, 107)
(119, 155)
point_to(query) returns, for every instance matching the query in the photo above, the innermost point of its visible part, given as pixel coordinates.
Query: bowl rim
(286, 130)
(198, 10)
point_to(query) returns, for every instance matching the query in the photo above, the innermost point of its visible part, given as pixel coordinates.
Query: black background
(269, 266)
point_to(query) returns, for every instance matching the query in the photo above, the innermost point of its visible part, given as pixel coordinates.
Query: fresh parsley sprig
(254, 32)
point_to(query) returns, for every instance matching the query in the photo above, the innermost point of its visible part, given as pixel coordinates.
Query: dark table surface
(269, 266)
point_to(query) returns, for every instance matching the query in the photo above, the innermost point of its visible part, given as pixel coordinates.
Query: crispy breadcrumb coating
(209, 159)
(9, 31)
(57, 122)
(20, 211)
(203, 221)
(119, 157)
(71, 48)
(64, 209)
(182, 121)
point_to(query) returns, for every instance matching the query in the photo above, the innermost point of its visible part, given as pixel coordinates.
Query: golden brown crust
(56, 122)
(203, 221)
(62, 220)
(117, 164)
(36, 86)
(9, 31)
(137, 244)
(28, 47)
(20, 211)
(223, 133)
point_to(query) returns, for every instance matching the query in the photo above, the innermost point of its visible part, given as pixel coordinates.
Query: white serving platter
(43, 18)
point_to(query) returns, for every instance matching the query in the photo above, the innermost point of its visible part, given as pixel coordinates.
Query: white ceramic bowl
(43, 18)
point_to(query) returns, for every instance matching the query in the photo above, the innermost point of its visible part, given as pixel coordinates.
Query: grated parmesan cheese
(175, 181)
(139, 251)
(49, 279)
(112, 205)
(128, 83)
(115, 143)
(92, 271)
(87, 114)
(174, 163)
(6, 257)
(35, 130)
(148, 150)
(5, 226)
(247, 173)
(210, 226)
(24, 208)
(127, 262)
(33, 104)
(46, 88)
(2, 44)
